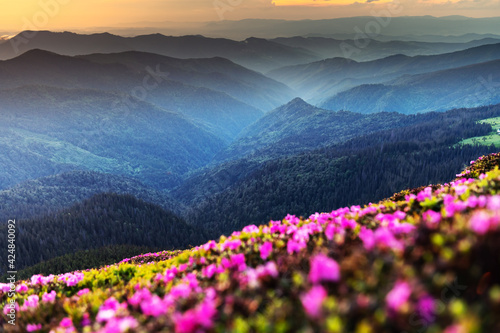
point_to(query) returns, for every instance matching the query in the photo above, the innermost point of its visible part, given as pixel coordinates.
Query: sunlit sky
(80, 14)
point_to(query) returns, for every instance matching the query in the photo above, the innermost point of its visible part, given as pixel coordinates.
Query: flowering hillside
(425, 261)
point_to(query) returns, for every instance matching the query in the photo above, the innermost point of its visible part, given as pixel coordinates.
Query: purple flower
(432, 218)
(312, 301)
(294, 247)
(31, 301)
(49, 297)
(480, 222)
(366, 235)
(426, 307)
(265, 250)
(251, 229)
(398, 296)
(22, 288)
(425, 194)
(120, 325)
(83, 292)
(154, 306)
(323, 268)
(66, 322)
(33, 327)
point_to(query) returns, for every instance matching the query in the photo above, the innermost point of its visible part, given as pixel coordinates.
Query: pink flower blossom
(33, 327)
(292, 219)
(209, 271)
(265, 250)
(180, 291)
(398, 296)
(238, 261)
(384, 237)
(494, 202)
(461, 189)
(323, 268)
(153, 306)
(425, 194)
(10, 308)
(294, 247)
(312, 301)
(330, 230)
(5, 287)
(480, 222)
(83, 292)
(49, 297)
(120, 325)
(22, 288)
(366, 236)
(66, 323)
(432, 218)
(426, 307)
(231, 244)
(31, 301)
(251, 229)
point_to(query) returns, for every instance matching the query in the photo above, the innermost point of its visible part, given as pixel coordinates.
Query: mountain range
(180, 130)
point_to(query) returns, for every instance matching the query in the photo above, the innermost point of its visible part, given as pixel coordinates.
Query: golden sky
(80, 14)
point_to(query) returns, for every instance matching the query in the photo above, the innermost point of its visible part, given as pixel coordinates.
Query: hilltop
(424, 260)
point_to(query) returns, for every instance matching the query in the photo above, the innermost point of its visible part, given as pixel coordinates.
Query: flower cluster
(426, 260)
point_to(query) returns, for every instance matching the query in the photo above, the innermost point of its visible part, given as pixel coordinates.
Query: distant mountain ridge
(204, 89)
(468, 86)
(316, 81)
(254, 53)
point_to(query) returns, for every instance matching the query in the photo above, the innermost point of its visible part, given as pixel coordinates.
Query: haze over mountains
(392, 26)
(213, 134)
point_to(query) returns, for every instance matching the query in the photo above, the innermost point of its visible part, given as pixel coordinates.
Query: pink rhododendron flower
(323, 268)
(71, 279)
(494, 202)
(66, 322)
(384, 237)
(238, 261)
(5, 287)
(426, 307)
(49, 297)
(83, 292)
(22, 288)
(265, 250)
(210, 246)
(480, 222)
(461, 189)
(425, 194)
(312, 301)
(398, 296)
(330, 230)
(294, 247)
(251, 229)
(292, 219)
(31, 301)
(9, 307)
(120, 325)
(232, 244)
(33, 327)
(432, 218)
(366, 236)
(154, 306)
(41, 280)
(209, 271)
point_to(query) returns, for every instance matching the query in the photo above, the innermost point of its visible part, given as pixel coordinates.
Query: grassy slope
(426, 261)
(491, 139)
